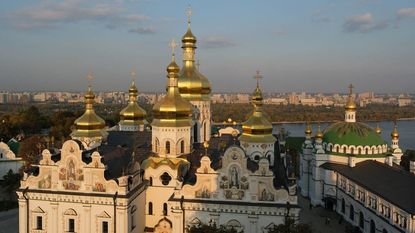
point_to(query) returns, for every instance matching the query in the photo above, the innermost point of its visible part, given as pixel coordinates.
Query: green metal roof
(352, 133)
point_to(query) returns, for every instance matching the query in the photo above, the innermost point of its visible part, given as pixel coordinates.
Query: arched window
(367, 151)
(182, 147)
(157, 145)
(168, 147)
(165, 209)
(361, 220)
(343, 206)
(150, 208)
(351, 150)
(151, 181)
(351, 212)
(359, 151)
(372, 227)
(204, 132)
(384, 231)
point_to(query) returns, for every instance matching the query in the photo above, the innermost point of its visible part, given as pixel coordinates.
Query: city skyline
(52, 45)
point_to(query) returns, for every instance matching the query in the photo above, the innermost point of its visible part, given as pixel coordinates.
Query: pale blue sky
(313, 46)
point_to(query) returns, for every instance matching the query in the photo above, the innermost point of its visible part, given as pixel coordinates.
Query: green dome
(352, 133)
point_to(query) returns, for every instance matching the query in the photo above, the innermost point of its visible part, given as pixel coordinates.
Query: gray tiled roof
(393, 184)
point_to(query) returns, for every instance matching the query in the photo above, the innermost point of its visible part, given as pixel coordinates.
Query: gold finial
(258, 76)
(173, 46)
(351, 105)
(133, 74)
(189, 14)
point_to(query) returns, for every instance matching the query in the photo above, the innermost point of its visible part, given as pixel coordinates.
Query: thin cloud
(143, 31)
(405, 13)
(363, 23)
(216, 42)
(51, 14)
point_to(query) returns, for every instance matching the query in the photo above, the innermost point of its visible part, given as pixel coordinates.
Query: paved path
(9, 221)
(316, 217)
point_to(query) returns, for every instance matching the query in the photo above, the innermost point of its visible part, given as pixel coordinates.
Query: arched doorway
(372, 226)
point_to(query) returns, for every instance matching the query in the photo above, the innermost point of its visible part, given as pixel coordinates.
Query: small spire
(189, 14)
(173, 46)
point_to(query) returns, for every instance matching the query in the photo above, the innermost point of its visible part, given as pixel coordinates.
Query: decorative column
(86, 224)
(54, 217)
(253, 220)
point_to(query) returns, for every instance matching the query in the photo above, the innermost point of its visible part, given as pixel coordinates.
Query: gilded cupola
(257, 128)
(378, 130)
(350, 105)
(319, 134)
(89, 124)
(193, 85)
(172, 110)
(308, 130)
(395, 133)
(133, 114)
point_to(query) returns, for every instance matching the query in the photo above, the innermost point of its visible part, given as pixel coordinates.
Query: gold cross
(351, 89)
(257, 77)
(189, 13)
(133, 74)
(172, 46)
(90, 77)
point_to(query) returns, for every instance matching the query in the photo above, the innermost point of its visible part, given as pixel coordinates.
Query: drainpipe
(27, 208)
(114, 198)
(183, 220)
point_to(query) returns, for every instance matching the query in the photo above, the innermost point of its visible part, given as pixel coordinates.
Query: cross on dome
(189, 14)
(351, 89)
(258, 76)
(173, 46)
(90, 77)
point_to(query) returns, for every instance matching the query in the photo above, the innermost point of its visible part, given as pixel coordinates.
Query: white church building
(163, 176)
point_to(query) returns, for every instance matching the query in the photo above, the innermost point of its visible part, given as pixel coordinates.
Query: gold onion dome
(257, 129)
(319, 134)
(133, 113)
(89, 124)
(395, 133)
(350, 105)
(172, 110)
(308, 130)
(192, 84)
(378, 130)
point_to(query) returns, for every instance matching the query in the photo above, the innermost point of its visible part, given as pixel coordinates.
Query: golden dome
(172, 110)
(395, 133)
(319, 134)
(133, 113)
(308, 130)
(378, 130)
(192, 84)
(188, 39)
(89, 124)
(350, 105)
(257, 128)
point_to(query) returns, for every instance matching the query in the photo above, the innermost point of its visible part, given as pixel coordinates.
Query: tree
(30, 149)
(289, 226)
(10, 182)
(204, 228)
